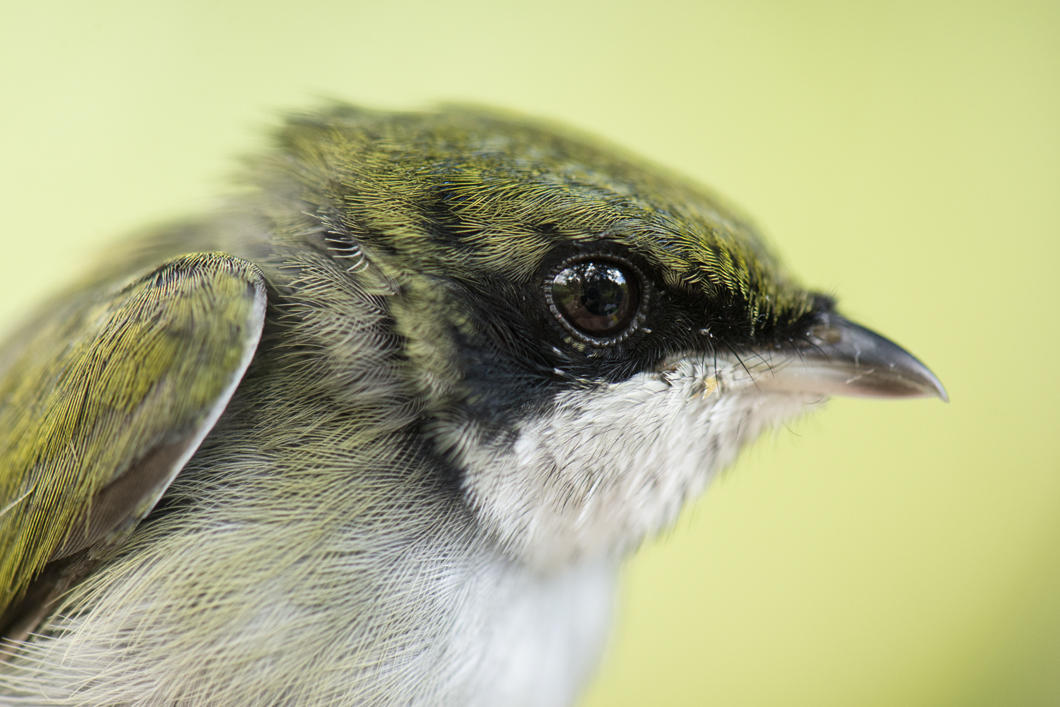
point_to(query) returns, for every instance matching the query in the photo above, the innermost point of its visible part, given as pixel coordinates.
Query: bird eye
(598, 299)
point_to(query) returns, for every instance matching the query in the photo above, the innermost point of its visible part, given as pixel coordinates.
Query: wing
(103, 403)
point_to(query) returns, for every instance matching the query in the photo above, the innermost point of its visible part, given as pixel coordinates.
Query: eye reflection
(598, 298)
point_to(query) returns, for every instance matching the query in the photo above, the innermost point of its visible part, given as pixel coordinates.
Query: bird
(382, 427)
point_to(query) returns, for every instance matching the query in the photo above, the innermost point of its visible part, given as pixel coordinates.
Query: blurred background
(902, 155)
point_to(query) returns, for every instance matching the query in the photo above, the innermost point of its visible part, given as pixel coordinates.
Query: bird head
(589, 338)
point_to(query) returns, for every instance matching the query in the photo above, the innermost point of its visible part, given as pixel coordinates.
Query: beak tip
(932, 387)
(940, 390)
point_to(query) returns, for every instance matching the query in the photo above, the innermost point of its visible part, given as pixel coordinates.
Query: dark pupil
(597, 298)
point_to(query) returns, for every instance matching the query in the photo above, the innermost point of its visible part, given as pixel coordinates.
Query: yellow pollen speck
(710, 384)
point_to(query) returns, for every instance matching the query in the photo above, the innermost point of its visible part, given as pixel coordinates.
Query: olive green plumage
(100, 402)
(345, 440)
(507, 191)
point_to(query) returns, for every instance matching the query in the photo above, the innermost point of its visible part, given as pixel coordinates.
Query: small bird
(382, 428)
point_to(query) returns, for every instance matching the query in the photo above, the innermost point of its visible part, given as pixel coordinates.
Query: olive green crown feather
(464, 191)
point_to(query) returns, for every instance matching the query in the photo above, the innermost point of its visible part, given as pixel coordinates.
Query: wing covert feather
(102, 405)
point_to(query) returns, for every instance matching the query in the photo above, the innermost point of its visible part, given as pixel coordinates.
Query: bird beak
(844, 358)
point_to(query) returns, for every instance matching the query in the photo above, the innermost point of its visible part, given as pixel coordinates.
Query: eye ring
(598, 298)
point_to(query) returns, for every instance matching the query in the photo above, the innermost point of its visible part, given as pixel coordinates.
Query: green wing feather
(103, 403)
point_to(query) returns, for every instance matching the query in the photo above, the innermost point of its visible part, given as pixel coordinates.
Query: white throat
(608, 466)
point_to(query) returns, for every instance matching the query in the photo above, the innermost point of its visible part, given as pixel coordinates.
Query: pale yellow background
(905, 156)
